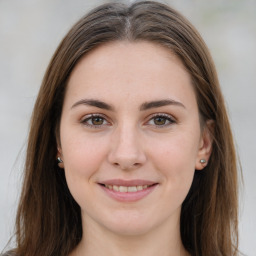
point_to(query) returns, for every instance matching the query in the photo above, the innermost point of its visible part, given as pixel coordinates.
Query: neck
(98, 241)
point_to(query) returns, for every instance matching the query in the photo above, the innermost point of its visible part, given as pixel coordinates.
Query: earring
(60, 162)
(202, 161)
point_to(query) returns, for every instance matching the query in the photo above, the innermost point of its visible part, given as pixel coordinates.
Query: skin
(129, 142)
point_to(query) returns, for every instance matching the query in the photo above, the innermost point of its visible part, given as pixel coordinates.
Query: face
(130, 137)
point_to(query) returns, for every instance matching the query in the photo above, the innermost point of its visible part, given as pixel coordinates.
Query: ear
(205, 146)
(59, 157)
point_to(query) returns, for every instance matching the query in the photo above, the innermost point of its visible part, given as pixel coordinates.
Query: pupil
(159, 121)
(97, 120)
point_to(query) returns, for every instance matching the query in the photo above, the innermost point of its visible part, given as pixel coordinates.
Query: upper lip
(127, 183)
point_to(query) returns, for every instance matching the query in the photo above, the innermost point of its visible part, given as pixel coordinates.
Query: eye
(161, 120)
(94, 121)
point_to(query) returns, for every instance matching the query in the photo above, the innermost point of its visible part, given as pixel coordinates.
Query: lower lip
(128, 196)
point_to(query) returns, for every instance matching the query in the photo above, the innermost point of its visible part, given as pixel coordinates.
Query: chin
(130, 229)
(131, 223)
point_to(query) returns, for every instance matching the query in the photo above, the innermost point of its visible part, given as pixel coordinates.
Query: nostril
(126, 166)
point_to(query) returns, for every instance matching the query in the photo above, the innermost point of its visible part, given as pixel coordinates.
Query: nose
(126, 151)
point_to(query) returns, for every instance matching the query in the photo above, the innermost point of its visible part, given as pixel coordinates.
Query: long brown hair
(48, 219)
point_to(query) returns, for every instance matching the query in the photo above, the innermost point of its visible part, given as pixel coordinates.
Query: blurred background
(30, 31)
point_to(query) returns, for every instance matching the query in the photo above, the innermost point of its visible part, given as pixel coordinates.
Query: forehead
(144, 53)
(130, 68)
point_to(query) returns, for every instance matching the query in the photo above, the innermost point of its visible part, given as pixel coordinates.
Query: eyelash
(165, 117)
(87, 118)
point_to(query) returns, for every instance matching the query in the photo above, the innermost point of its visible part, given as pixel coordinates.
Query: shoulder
(10, 253)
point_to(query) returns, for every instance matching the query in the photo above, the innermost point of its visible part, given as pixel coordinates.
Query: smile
(128, 191)
(125, 189)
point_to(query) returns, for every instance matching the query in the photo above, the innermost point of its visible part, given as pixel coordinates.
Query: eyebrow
(143, 107)
(160, 103)
(94, 103)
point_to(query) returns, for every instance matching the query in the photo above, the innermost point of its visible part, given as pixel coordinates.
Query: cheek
(177, 170)
(81, 153)
(82, 159)
(175, 159)
(178, 149)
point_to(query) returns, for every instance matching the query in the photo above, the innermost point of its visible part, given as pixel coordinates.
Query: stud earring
(202, 161)
(60, 162)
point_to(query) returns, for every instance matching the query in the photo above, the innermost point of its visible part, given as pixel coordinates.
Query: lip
(128, 196)
(127, 183)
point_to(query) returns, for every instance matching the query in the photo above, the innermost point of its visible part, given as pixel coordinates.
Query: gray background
(30, 31)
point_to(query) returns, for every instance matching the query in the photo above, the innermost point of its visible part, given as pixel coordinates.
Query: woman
(130, 151)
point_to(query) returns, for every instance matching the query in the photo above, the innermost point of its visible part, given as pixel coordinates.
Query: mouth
(128, 190)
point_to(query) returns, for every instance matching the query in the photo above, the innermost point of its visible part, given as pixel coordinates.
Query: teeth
(125, 189)
(139, 188)
(116, 188)
(132, 189)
